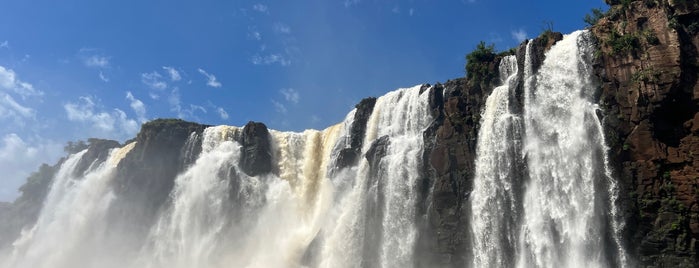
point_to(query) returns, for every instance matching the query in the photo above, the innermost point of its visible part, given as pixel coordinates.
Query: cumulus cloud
(260, 8)
(519, 35)
(137, 106)
(10, 108)
(290, 95)
(212, 82)
(222, 113)
(270, 59)
(280, 108)
(20, 157)
(103, 77)
(10, 82)
(109, 124)
(153, 80)
(174, 74)
(182, 110)
(96, 61)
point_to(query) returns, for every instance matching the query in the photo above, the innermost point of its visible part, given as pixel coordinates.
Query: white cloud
(5, 44)
(290, 95)
(10, 82)
(9, 108)
(96, 61)
(270, 59)
(519, 35)
(411, 11)
(222, 113)
(349, 3)
(260, 8)
(114, 124)
(211, 79)
(103, 77)
(153, 80)
(279, 107)
(175, 102)
(255, 35)
(20, 157)
(282, 28)
(137, 106)
(174, 74)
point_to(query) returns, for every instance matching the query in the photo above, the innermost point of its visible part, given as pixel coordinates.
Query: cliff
(648, 66)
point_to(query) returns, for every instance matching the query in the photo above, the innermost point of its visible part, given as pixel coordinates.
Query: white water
(561, 222)
(306, 212)
(493, 201)
(217, 216)
(70, 224)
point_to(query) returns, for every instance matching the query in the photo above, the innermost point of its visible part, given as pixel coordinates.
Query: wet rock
(256, 155)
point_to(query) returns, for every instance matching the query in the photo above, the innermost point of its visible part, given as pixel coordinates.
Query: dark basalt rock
(376, 151)
(256, 155)
(651, 100)
(145, 177)
(97, 153)
(349, 156)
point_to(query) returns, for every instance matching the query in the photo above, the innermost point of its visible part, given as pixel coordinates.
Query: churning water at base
(563, 220)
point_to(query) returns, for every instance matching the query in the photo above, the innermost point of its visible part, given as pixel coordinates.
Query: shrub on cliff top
(478, 62)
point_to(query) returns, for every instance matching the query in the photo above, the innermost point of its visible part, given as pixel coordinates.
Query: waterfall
(71, 223)
(543, 191)
(560, 219)
(493, 203)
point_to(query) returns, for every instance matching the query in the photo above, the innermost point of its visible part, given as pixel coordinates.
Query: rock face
(256, 156)
(164, 147)
(650, 95)
(648, 68)
(349, 156)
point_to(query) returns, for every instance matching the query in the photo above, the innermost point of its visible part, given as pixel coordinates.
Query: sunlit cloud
(290, 95)
(153, 80)
(519, 35)
(137, 106)
(211, 79)
(174, 74)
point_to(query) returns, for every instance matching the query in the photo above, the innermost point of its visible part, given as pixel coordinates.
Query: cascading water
(542, 188)
(72, 217)
(562, 221)
(563, 225)
(305, 212)
(493, 202)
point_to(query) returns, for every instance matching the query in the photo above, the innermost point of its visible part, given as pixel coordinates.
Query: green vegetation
(649, 75)
(478, 63)
(650, 37)
(622, 44)
(592, 19)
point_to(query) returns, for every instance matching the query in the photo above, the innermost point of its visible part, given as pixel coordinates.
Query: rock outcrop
(648, 65)
(256, 154)
(350, 155)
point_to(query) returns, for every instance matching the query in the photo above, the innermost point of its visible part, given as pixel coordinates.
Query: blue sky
(71, 70)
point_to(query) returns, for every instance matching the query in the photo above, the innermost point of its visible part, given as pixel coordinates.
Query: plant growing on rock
(478, 62)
